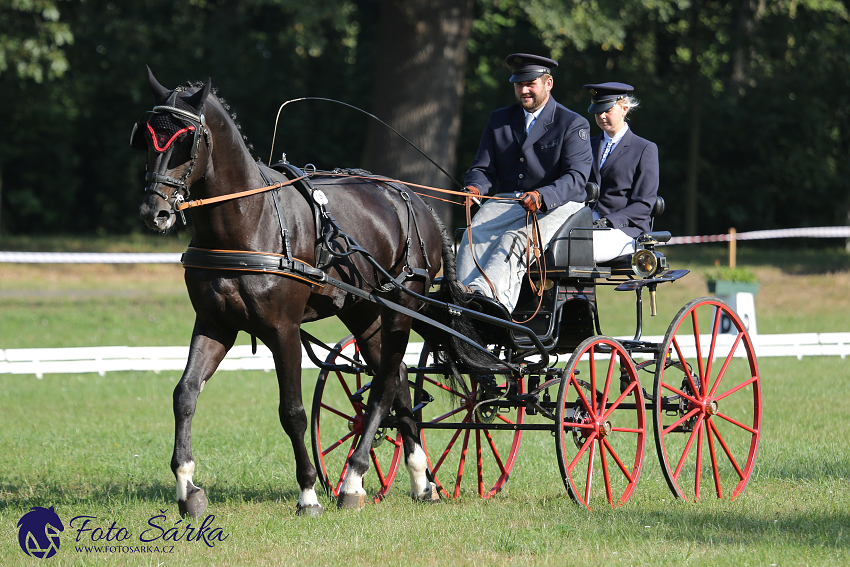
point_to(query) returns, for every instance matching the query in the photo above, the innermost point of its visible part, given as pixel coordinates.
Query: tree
(33, 39)
(417, 89)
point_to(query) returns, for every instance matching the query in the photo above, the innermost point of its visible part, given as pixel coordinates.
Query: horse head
(171, 134)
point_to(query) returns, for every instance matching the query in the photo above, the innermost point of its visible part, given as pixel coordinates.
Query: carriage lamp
(647, 263)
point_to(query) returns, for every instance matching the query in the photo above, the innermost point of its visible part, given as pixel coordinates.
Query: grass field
(100, 446)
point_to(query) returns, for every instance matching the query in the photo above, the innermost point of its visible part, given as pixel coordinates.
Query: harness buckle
(178, 199)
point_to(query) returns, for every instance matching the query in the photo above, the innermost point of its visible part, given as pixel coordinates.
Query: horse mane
(195, 85)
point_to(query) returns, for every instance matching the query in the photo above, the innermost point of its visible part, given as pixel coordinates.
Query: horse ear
(197, 100)
(159, 92)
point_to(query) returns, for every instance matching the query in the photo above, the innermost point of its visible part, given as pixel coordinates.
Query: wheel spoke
(617, 460)
(588, 442)
(680, 421)
(479, 463)
(607, 480)
(729, 356)
(336, 411)
(695, 321)
(698, 474)
(687, 447)
(591, 353)
(738, 387)
(685, 367)
(588, 406)
(495, 451)
(726, 449)
(678, 392)
(629, 389)
(342, 440)
(446, 452)
(462, 463)
(377, 466)
(589, 481)
(711, 451)
(610, 374)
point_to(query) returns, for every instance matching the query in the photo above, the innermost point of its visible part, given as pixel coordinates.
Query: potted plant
(726, 281)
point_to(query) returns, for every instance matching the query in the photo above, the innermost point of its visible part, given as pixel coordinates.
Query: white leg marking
(184, 480)
(308, 498)
(416, 464)
(352, 484)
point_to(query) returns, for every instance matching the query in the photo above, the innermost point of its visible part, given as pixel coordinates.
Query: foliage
(33, 39)
(758, 90)
(729, 274)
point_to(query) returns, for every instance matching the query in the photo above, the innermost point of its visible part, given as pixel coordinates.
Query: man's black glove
(601, 222)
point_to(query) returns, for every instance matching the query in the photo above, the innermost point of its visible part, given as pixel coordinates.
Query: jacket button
(522, 159)
(520, 175)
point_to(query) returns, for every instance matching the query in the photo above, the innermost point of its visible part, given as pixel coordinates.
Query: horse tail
(447, 348)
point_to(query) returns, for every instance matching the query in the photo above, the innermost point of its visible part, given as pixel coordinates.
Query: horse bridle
(155, 180)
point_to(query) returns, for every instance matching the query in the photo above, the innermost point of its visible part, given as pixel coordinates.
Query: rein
(201, 202)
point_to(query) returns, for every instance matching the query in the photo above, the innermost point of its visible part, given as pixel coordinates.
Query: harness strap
(284, 232)
(244, 261)
(317, 201)
(229, 196)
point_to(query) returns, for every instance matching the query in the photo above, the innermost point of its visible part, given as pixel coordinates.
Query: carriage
(594, 406)
(298, 246)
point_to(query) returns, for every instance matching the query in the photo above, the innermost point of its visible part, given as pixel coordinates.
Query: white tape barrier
(174, 258)
(41, 361)
(88, 258)
(812, 232)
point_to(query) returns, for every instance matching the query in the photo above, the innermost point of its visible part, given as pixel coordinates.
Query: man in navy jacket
(535, 156)
(625, 166)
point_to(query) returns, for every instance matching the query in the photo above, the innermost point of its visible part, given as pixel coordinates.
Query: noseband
(198, 125)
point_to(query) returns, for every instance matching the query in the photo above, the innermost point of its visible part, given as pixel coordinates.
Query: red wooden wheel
(602, 434)
(339, 402)
(485, 453)
(707, 402)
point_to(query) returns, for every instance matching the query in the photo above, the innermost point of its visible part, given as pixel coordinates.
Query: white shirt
(534, 116)
(617, 137)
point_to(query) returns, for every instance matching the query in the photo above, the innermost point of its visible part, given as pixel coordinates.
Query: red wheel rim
(601, 440)
(707, 411)
(337, 422)
(486, 454)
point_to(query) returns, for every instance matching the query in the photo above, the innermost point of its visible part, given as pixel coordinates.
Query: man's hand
(474, 193)
(601, 222)
(531, 201)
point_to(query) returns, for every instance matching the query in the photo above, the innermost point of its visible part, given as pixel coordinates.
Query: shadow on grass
(731, 528)
(155, 494)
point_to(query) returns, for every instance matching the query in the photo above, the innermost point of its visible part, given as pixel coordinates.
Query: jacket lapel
(622, 147)
(547, 116)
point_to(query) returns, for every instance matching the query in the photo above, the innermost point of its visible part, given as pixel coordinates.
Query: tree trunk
(418, 86)
(691, 182)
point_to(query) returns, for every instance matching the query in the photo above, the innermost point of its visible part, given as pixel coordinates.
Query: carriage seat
(571, 249)
(624, 263)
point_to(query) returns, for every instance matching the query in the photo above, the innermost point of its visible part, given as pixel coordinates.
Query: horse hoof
(351, 501)
(195, 504)
(311, 511)
(430, 496)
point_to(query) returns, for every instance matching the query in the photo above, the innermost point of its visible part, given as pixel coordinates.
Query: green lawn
(100, 446)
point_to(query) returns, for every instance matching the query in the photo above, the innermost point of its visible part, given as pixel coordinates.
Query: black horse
(266, 281)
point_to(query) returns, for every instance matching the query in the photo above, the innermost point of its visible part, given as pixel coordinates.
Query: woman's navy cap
(525, 67)
(604, 95)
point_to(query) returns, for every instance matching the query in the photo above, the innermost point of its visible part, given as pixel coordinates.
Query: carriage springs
(157, 532)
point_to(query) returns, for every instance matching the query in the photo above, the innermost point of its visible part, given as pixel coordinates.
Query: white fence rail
(41, 361)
